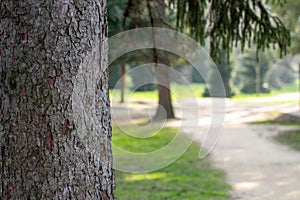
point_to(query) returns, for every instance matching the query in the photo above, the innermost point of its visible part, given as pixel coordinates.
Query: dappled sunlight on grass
(177, 91)
(186, 178)
(188, 91)
(142, 145)
(147, 176)
(196, 90)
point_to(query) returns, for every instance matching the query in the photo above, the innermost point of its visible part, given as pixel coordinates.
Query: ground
(256, 165)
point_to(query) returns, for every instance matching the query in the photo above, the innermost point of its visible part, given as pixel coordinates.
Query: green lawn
(291, 88)
(290, 138)
(178, 91)
(276, 118)
(277, 122)
(196, 90)
(187, 178)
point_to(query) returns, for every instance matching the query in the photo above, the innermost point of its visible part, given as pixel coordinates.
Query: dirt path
(256, 166)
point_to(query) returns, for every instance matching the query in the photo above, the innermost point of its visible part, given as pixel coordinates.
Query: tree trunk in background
(55, 133)
(257, 79)
(225, 70)
(165, 108)
(156, 10)
(123, 79)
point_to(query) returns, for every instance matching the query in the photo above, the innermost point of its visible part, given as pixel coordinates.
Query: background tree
(115, 11)
(228, 24)
(252, 73)
(225, 24)
(225, 69)
(290, 14)
(281, 74)
(55, 134)
(152, 13)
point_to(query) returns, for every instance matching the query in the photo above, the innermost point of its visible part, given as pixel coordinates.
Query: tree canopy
(225, 23)
(289, 12)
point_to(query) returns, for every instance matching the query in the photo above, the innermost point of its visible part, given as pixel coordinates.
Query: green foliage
(145, 75)
(224, 69)
(115, 12)
(187, 178)
(286, 89)
(114, 75)
(115, 15)
(228, 23)
(196, 77)
(281, 75)
(225, 23)
(289, 12)
(251, 69)
(191, 17)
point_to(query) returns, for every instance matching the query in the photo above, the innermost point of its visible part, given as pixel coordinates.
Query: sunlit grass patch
(141, 177)
(186, 178)
(177, 91)
(135, 144)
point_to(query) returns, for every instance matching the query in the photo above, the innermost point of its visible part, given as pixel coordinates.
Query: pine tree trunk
(55, 133)
(165, 108)
(156, 10)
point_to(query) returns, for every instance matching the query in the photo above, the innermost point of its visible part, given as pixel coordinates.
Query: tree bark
(55, 132)
(123, 78)
(165, 108)
(156, 10)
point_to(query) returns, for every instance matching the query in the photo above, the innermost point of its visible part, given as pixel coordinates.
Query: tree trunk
(165, 108)
(257, 78)
(123, 79)
(55, 133)
(156, 10)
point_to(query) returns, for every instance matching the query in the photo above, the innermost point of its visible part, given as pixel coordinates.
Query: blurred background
(258, 155)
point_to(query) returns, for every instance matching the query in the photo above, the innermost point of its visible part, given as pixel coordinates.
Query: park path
(256, 166)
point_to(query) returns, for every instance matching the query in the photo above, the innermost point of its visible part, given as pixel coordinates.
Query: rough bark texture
(55, 129)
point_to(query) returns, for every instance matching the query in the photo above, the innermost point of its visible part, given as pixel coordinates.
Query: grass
(186, 178)
(277, 122)
(291, 88)
(276, 118)
(290, 138)
(178, 91)
(196, 90)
